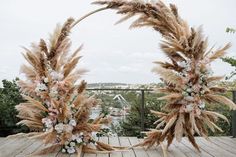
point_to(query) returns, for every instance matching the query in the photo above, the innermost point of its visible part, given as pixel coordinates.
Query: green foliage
(224, 110)
(131, 126)
(230, 30)
(9, 98)
(232, 62)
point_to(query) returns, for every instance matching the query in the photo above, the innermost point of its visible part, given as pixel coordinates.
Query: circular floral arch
(59, 109)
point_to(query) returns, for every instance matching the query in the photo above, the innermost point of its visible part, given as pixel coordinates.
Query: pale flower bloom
(47, 122)
(189, 98)
(202, 105)
(66, 143)
(72, 122)
(71, 150)
(79, 140)
(77, 137)
(63, 150)
(72, 144)
(189, 90)
(56, 76)
(45, 80)
(59, 128)
(94, 134)
(41, 87)
(189, 107)
(53, 92)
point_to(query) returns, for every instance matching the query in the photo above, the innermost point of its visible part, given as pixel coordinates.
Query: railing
(234, 116)
(142, 101)
(142, 105)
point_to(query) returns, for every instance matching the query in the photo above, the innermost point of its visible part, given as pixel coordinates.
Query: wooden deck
(218, 147)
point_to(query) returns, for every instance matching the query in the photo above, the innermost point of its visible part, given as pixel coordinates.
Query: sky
(111, 53)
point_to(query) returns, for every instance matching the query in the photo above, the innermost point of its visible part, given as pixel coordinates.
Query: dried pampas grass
(187, 76)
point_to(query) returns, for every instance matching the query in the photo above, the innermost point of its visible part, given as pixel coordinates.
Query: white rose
(189, 107)
(72, 144)
(79, 140)
(45, 80)
(56, 76)
(59, 128)
(189, 98)
(47, 122)
(63, 150)
(72, 122)
(202, 105)
(71, 150)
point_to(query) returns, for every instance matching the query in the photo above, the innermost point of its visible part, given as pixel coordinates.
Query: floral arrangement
(187, 76)
(57, 108)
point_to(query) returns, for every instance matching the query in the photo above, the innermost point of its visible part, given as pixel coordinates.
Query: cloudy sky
(112, 53)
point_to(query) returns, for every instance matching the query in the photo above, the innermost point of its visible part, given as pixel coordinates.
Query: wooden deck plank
(193, 152)
(30, 149)
(124, 141)
(60, 154)
(114, 141)
(13, 148)
(41, 147)
(7, 141)
(227, 141)
(223, 145)
(175, 152)
(91, 154)
(213, 149)
(139, 152)
(184, 149)
(152, 152)
(219, 147)
(104, 140)
(2, 139)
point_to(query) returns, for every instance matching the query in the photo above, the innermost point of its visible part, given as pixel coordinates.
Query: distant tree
(131, 126)
(230, 60)
(9, 98)
(230, 30)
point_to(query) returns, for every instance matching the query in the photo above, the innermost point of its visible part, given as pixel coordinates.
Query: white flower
(189, 98)
(189, 90)
(189, 107)
(183, 64)
(59, 128)
(72, 122)
(56, 76)
(79, 139)
(94, 134)
(41, 87)
(72, 144)
(202, 105)
(63, 150)
(45, 80)
(66, 143)
(71, 150)
(47, 122)
(53, 92)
